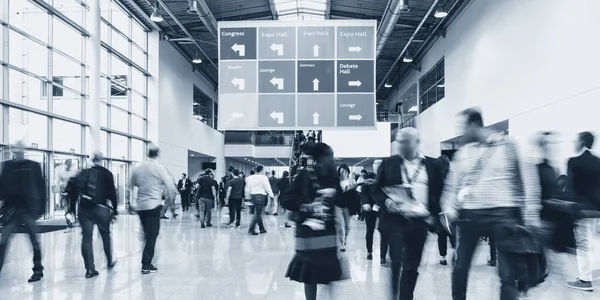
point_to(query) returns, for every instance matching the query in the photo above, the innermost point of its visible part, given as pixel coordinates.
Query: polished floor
(222, 263)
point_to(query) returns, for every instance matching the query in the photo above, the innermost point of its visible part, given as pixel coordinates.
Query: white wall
(233, 150)
(178, 131)
(532, 62)
(359, 143)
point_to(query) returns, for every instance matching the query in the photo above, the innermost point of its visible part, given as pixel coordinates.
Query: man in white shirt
(257, 189)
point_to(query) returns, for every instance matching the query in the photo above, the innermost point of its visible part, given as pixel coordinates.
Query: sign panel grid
(277, 75)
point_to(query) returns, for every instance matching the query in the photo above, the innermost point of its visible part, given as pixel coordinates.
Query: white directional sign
(287, 75)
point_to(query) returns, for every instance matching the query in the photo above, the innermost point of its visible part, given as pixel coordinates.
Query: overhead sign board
(287, 75)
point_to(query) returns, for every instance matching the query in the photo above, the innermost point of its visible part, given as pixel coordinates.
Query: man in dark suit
(584, 183)
(406, 235)
(184, 186)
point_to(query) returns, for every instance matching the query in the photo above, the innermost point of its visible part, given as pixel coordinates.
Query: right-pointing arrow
(355, 117)
(315, 84)
(355, 83)
(354, 49)
(239, 82)
(316, 118)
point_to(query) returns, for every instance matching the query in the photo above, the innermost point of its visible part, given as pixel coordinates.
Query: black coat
(584, 180)
(389, 173)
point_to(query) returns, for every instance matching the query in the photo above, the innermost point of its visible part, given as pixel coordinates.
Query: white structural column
(94, 100)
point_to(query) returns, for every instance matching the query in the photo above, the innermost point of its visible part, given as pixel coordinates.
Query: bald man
(406, 231)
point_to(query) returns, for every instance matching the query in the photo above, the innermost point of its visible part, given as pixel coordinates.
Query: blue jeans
(260, 201)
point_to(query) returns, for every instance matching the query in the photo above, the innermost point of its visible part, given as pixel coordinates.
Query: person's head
(68, 163)
(259, 169)
(273, 173)
(19, 149)
(322, 154)
(408, 142)
(286, 174)
(242, 174)
(585, 140)
(236, 172)
(153, 152)
(344, 171)
(207, 172)
(376, 164)
(252, 172)
(363, 173)
(230, 169)
(97, 158)
(543, 142)
(472, 124)
(183, 175)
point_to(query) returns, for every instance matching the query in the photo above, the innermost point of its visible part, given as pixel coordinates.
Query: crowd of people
(487, 190)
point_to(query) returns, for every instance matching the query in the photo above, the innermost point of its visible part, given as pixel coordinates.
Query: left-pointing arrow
(240, 49)
(277, 116)
(278, 82)
(278, 48)
(239, 82)
(237, 115)
(356, 83)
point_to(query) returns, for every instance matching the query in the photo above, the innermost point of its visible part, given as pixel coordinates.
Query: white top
(420, 183)
(258, 184)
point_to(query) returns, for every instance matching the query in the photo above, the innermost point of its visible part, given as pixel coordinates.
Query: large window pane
(28, 126)
(68, 105)
(138, 81)
(104, 32)
(120, 43)
(137, 150)
(138, 35)
(138, 104)
(70, 8)
(119, 120)
(118, 146)
(137, 126)
(66, 136)
(67, 39)
(68, 70)
(119, 19)
(120, 101)
(27, 90)
(29, 18)
(138, 56)
(27, 54)
(118, 67)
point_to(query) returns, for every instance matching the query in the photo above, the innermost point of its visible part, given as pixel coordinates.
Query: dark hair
(208, 172)
(363, 171)
(236, 172)
(184, 174)
(343, 167)
(317, 150)
(153, 152)
(252, 172)
(587, 139)
(473, 117)
(259, 169)
(273, 172)
(231, 168)
(286, 174)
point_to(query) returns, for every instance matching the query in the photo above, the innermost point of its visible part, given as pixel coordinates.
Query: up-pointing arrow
(277, 116)
(240, 49)
(278, 48)
(315, 84)
(354, 49)
(278, 82)
(356, 83)
(315, 118)
(316, 50)
(239, 82)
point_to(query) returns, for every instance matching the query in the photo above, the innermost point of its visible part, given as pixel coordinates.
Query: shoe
(342, 249)
(208, 225)
(175, 216)
(263, 232)
(443, 262)
(202, 226)
(275, 214)
(91, 273)
(287, 225)
(149, 269)
(164, 217)
(198, 216)
(111, 264)
(253, 233)
(37, 276)
(581, 285)
(383, 262)
(369, 256)
(491, 263)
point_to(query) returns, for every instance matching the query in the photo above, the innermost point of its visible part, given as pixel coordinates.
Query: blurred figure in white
(69, 204)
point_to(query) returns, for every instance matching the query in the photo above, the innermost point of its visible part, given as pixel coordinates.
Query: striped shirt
(492, 175)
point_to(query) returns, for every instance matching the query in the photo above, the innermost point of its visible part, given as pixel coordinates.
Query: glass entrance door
(120, 172)
(64, 167)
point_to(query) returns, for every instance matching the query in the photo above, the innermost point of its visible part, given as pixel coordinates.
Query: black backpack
(89, 185)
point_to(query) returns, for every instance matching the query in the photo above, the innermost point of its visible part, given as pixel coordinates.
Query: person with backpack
(97, 206)
(22, 190)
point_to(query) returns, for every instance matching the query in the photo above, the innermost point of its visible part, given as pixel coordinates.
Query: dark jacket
(186, 185)
(389, 173)
(22, 186)
(584, 180)
(106, 189)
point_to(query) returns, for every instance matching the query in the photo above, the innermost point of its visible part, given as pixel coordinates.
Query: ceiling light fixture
(197, 59)
(440, 12)
(387, 85)
(192, 5)
(156, 16)
(407, 58)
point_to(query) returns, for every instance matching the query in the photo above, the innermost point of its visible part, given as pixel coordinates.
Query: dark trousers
(21, 217)
(406, 240)
(471, 226)
(442, 240)
(235, 211)
(493, 251)
(185, 200)
(150, 220)
(371, 221)
(259, 208)
(88, 217)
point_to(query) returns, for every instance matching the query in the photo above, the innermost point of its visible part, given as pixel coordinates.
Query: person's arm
(267, 187)
(167, 182)
(246, 189)
(376, 193)
(530, 183)
(214, 191)
(112, 191)
(228, 194)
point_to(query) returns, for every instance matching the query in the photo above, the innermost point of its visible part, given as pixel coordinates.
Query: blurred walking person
(284, 183)
(442, 235)
(234, 198)
(149, 181)
(258, 189)
(70, 203)
(584, 182)
(273, 206)
(490, 187)
(169, 203)
(348, 195)
(22, 192)
(185, 187)
(409, 186)
(205, 198)
(97, 206)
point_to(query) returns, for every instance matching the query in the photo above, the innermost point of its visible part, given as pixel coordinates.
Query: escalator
(299, 160)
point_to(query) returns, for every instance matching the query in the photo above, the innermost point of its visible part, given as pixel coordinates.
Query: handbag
(401, 202)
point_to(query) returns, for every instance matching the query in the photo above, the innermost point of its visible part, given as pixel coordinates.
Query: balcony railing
(259, 138)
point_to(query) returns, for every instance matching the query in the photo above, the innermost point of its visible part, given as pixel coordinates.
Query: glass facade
(45, 83)
(432, 87)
